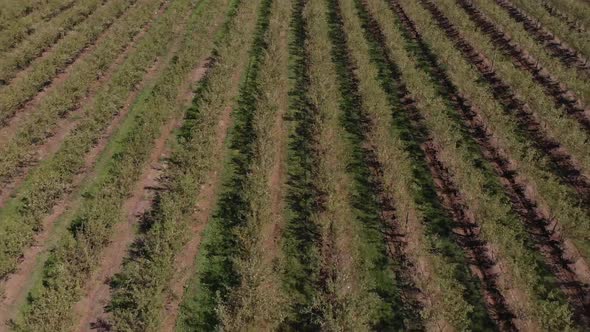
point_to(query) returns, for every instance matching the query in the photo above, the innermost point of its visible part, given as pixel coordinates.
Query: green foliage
(36, 18)
(392, 313)
(439, 226)
(162, 236)
(218, 274)
(21, 57)
(301, 235)
(479, 184)
(577, 39)
(62, 54)
(553, 122)
(48, 183)
(78, 252)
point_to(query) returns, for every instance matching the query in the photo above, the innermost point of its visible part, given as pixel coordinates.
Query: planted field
(315, 165)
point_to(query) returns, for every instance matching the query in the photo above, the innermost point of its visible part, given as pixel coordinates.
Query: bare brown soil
(91, 307)
(11, 125)
(572, 23)
(47, 51)
(17, 285)
(271, 232)
(204, 207)
(556, 47)
(555, 88)
(565, 166)
(548, 239)
(66, 124)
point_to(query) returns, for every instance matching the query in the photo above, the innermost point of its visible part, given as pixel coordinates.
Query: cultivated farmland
(294, 165)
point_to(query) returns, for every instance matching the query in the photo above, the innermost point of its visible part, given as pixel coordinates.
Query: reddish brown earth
(66, 124)
(204, 207)
(91, 307)
(271, 232)
(556, 89)
(569, 169)
(17, 285)
(547, 237)
(559, 49)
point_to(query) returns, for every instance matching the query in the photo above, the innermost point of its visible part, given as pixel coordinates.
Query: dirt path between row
(91, 308)
(205, 203)
(548, 239)
(11, 126)
(271, 232)
(64, 125)
(17, 285)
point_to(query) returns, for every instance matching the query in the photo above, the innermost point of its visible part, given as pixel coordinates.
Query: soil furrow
(557, 89)
(17, 285)
(90, 308)
(564, 165)
(205, 203)
(60, 66)
(542, 228)
(558, 48)
(572, 23)
(64, 125)
(14, 123)
(22, 64)
(482, 263)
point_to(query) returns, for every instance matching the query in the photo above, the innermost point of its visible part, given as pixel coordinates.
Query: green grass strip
(20, 57)
(135, 306)
(438, 223)
(42, 71)
(22, 216)
(301, 236)
(386, 309)
(217, 271)
(77, 254)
